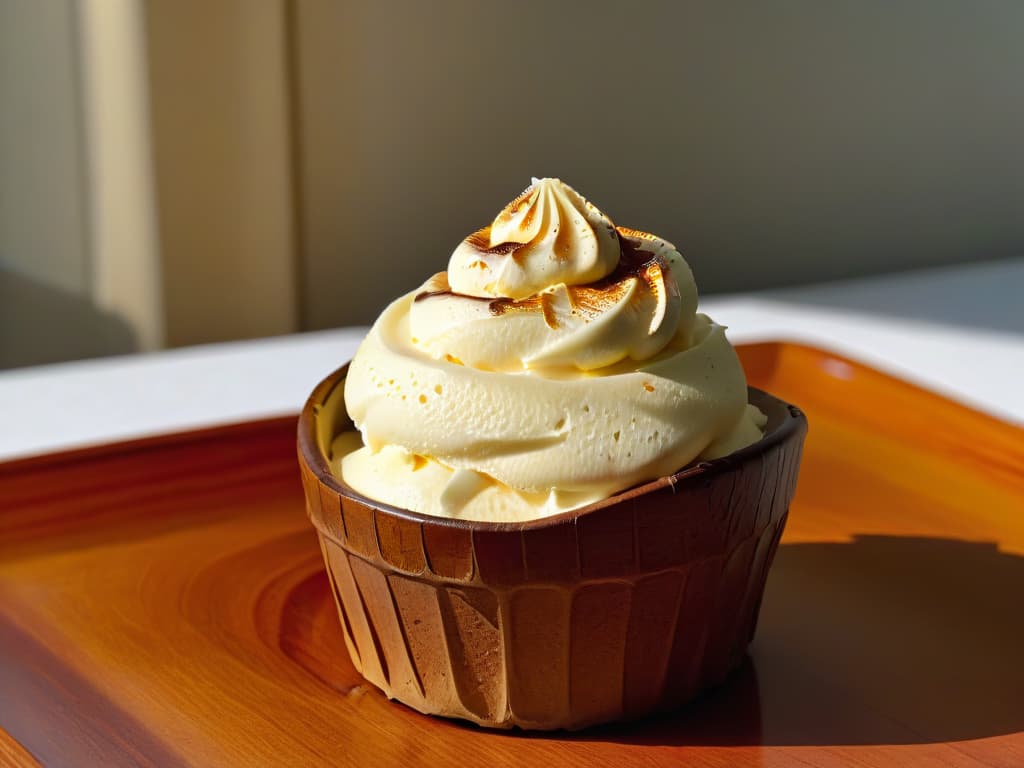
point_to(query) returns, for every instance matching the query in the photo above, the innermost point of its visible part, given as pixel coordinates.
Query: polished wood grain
(13, 754)
(164, 603)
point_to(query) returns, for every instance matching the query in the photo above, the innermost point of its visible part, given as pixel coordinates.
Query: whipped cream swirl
(572, 364)
(549, 235)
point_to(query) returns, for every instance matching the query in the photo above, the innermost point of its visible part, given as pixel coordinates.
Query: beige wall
(777, 142)
(220, 123)
(126, 264)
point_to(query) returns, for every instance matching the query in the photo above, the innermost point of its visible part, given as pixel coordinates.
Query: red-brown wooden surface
(163, 602)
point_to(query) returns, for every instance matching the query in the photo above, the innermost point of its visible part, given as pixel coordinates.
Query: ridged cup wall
(630, 606)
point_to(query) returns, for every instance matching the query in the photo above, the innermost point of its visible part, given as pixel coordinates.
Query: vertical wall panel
(221, 121)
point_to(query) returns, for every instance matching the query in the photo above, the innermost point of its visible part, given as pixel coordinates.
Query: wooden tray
(163, 602)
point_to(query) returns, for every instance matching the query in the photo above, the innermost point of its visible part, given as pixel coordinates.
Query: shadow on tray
(885, 640)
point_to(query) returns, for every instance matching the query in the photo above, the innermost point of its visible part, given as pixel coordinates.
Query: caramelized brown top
(597, 297)
(481, 241)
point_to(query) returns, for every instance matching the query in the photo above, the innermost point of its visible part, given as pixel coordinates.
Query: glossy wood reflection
(164, 603)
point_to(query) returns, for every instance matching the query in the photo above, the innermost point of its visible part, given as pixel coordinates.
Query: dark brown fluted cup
(625, 607)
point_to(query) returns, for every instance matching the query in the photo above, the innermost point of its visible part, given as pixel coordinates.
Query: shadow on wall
(40, 324)
(883, 640)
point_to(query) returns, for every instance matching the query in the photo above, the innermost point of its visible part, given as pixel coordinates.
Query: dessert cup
(628, 606)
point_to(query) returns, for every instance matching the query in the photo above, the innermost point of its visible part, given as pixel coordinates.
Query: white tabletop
(958, 331)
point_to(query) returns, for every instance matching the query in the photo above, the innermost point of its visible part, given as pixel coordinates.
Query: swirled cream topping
(558, 360)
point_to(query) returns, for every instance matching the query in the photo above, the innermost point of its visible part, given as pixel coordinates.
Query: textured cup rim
(788, 423)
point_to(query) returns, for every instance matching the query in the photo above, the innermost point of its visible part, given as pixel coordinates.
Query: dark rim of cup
(785, 422)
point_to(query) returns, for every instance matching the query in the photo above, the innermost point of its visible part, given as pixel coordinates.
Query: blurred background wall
(44, 232)
(294, 164)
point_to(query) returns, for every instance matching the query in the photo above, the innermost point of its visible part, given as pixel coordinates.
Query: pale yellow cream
(552, 235)
(483, 396)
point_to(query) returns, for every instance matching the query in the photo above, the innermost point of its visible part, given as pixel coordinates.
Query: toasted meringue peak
(548, 235)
